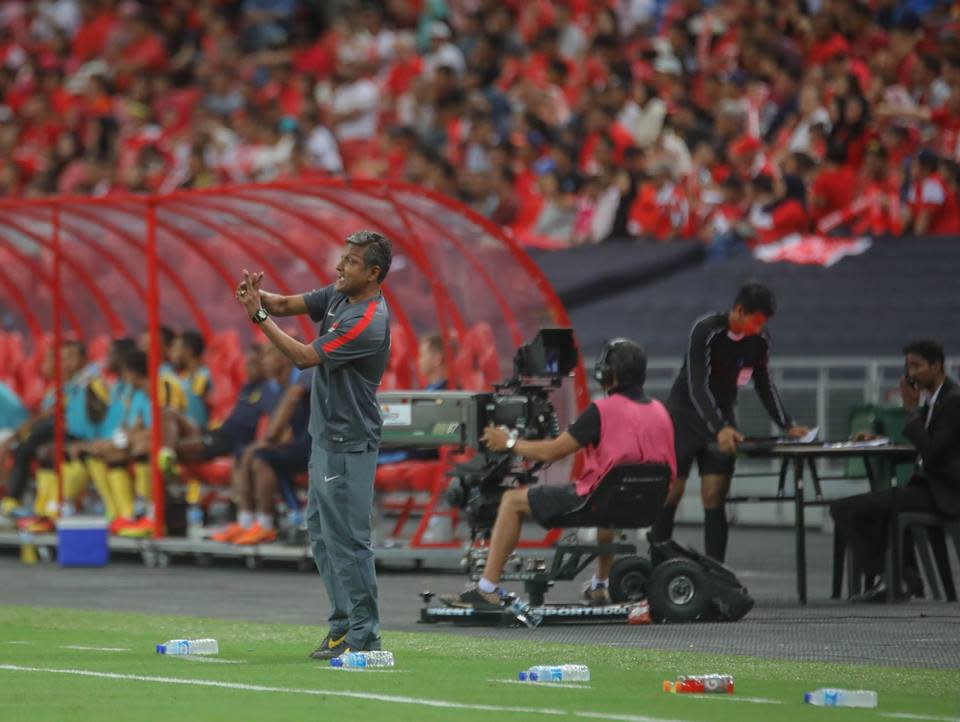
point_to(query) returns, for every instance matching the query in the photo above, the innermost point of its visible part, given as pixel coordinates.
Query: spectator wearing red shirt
(947, 120)
(601, 123)
(850, 127)
(98, 23)
(932, 209)
(661, 210)
(834, 186)
(140, 51)
(786, 214)
(875, 209)
(748, 160)
(725, 214)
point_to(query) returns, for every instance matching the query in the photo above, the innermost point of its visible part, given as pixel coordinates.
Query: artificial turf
(108, 670)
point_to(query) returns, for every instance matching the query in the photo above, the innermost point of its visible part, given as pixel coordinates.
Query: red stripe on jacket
(355, 331)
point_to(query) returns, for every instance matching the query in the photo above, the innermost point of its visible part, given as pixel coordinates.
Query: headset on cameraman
(604, 368)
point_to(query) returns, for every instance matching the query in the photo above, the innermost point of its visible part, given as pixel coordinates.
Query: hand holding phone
(909, 393)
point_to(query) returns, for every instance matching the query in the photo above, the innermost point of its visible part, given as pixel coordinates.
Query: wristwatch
(260, 316)
(512, 439)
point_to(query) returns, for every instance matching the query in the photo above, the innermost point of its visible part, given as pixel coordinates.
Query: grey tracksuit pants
(338, 524)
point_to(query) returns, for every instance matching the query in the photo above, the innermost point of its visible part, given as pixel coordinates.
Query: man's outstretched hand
(248, 291)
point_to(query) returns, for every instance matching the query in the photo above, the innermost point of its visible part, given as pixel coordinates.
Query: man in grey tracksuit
(350, 355)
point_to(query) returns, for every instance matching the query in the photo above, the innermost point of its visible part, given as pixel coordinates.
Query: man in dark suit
(932, 400)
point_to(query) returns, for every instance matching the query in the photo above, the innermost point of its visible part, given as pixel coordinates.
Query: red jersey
(875, 211)
(788, 217)
(932, 195)
(834, 188)
(659, 213)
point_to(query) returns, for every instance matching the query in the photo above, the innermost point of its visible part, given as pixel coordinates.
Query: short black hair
(434, 342)
(166, 336)
(628, 362)
(928, 349)
(121, 346)
(756, 298)
(928, 160)
(136, 362)
(77, 346)
(377, 250)
(193, 341)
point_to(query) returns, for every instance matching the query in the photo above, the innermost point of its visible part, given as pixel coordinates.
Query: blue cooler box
(82, 542)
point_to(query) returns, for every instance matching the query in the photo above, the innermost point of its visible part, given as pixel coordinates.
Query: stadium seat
(476, 365)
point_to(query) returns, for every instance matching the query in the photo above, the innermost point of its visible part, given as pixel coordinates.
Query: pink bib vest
(630, 433)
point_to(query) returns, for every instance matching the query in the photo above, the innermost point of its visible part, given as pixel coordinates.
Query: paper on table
(870, 443)
(865, 444)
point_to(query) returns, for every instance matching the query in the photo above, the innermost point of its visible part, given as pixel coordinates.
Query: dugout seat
(477, 365)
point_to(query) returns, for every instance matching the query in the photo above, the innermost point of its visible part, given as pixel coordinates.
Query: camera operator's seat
(629, 497)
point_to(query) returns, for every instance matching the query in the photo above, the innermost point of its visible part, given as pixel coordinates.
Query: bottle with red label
(700, 684)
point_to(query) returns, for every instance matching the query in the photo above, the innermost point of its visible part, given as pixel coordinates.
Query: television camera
(522, 402)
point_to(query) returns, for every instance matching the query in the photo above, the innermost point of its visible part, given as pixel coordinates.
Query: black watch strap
(260, 315)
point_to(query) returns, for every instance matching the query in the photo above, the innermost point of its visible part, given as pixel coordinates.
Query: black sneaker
(473, 597)
(328, 644)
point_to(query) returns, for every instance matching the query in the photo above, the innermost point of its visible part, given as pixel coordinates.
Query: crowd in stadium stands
(565, 121)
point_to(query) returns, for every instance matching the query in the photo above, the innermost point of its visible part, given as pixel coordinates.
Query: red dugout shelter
(101, 268)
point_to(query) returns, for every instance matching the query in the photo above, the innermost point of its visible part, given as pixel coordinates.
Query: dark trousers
(23, 455)
(864, 521)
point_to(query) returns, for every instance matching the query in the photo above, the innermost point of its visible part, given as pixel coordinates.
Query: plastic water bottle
(828, 697)
(701, 684)
(363, 660)
(180, 647)
(194, 521)
(525, 613)
(556, 673)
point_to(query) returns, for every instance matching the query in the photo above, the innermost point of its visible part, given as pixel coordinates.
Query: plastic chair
(929, 533)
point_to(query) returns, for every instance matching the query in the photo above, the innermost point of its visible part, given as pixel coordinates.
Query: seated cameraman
(626, 427)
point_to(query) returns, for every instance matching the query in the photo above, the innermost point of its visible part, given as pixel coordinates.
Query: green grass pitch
(58, 664)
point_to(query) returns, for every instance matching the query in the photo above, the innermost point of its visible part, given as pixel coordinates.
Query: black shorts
(693, 442)
(550, 502)
(287, 459)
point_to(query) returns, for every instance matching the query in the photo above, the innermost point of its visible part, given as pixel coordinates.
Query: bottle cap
(336, 662)
(534, 676)
(161, 649)
(522, 676)
(807, 697)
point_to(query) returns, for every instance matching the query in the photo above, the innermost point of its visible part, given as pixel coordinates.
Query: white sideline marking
(734, 698)
(621, 717)
(908, 715)
(18, 642)
(560, 685)
(365, 670)
(208, 660)
(313, 692)
(94, 649)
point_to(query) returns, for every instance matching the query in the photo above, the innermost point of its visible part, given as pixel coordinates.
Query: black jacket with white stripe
(716, 364)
